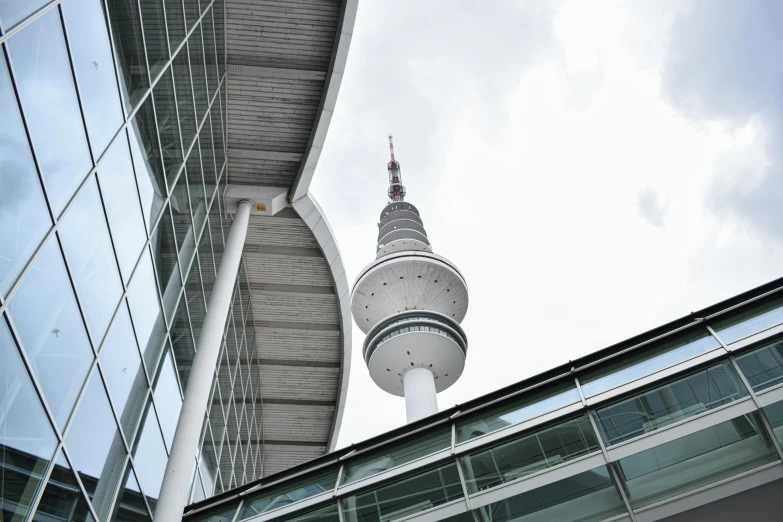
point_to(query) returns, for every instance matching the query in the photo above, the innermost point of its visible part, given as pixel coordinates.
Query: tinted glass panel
(698, 459)
(207, 154)
(121, 365)
(164, 250)
(147, 161)
(210, 53)
(673, 402)
(183, 225)
(14, 11)
(90, 255)
(221, 514)
(763, 367)
(529, 454)
(587, 497)
(167, 399)
(130, 505)
(45, 82)
(298, 490)
(50, 325)
(154, 37)
(129, 46)
(393, 456)
(175, 17)
(168, 127)
(406, 497)
(197, 68)
(62, 499)
(27, 441)
(146, 312)
(96, 447)
(528, 407)
(150, 457)
(647, 362)
(220, 34)
(92, 58)
(751, 322)
(774, 413)
(185, 107)
(24, 218)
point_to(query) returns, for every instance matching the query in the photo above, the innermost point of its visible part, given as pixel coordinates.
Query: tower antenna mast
(396, 188)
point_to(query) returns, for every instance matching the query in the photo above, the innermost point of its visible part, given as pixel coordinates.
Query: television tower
(410, 303)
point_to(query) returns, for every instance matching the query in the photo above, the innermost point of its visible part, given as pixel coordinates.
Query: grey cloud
(724, 63)
(652, 207)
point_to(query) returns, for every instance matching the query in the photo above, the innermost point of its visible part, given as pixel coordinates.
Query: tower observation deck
(410, 303)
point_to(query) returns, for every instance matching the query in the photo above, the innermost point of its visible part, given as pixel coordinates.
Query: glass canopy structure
(671, 421)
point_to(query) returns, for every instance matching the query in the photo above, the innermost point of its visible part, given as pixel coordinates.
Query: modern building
(684, 422)
(175, 312)
(410, 303)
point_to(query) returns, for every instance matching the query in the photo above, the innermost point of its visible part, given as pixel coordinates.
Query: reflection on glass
(168, 127)
(210, 53)
(750, 322)
(528, 407)
(183, 225)
(529, 454)
(91, 258)
(175, 17)
(648, 361)
(92, 58)
(670, 403)
(406, 497)
(129, 47)
(62, 499)
(164, 251)
(130, 505)
(774, 413)
(27, 441)
(199, 72)
(219, 514)
(185, 107)
(121, 365)
(155, 36)
(197, 494)
(208, 465)
(146, 312)
(45, 313)
(147, 161)
(168, 400)
(96, 447)
(150, 457)
(24, 218)
(45, 82)
(587, 497)
(14, 11)
(698, 459)
(763, 367)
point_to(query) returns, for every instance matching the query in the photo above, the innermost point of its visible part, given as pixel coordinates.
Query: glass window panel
(146, 313)
(528, 407)
(529, 454)
(124, 373)
(130, 505)
(196, 306)
(149, 457)
(587, 497)
(129, 48)
(192, 13)
(197, 68)
(62, 499)
(168, 126)
(763, 367)
(154, 37)
(406, 497)
(698, 459)
(168, 400)
(750, 322)
(220, 514)
(118, 186)
(395, 455)
(197, 494)
(774, 413)
(697, 393)
(182, 342)
(96, 447)
(88, 247)
(24, 218)
(205, 257)
(210, 53)
(175, 17)
(146, 159)
(45, 82)
(47, 318)
(184, 231)
(208, 464)
(14, 11)
(220, 34)
(185, 107)
(92, 58)
(325, 514)
(26, 438)
(195, 179)
(648, 361)
(164, 249)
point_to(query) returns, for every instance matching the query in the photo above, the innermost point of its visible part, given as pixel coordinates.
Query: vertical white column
(176, 481)
(419, 388)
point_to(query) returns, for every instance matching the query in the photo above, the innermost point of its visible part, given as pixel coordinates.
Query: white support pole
(176, 481)
(419, 389)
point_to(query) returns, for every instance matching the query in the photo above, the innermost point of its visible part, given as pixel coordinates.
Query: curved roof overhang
(285, 62)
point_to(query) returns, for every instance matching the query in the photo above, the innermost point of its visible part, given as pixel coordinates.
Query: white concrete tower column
(176, 481)
(420, 398)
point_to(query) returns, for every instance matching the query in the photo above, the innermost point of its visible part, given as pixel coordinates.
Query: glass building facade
(112, 159)
(670, 421)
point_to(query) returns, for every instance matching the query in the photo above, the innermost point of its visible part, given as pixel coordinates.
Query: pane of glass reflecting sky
(150, 457)
(146, 312)
(143, 136)
(167, 399)
(132, 64)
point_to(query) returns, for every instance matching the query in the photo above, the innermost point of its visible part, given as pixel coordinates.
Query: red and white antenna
(396, 188)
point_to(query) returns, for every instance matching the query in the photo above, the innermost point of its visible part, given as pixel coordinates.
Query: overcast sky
(594, 169)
